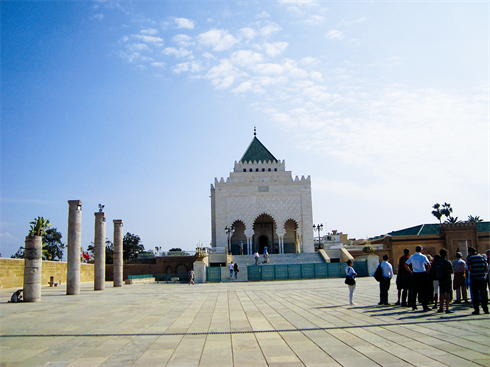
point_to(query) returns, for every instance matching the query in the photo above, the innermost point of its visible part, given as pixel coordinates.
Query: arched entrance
(264, 234)
(238, 236)
(291, 243)
(263, 242)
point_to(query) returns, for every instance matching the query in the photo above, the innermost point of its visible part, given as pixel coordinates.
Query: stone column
(200, 271)
(33, 268)
(118, 253)
(99, 252)
(74, 244)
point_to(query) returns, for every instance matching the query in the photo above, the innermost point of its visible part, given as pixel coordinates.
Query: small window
(269, 169)
(263, 169)
(244, 170)
(275, 169)
(250, 170)
(256, 170)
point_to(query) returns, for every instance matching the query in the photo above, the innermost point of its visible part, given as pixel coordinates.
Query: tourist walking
(350, 272)
(192, 276)
(443, 272)
(384, 285)
(403, 279)
(459, 284)
(256, 257)
(236, 270)
(420, 268)
(231, 267)
(478, 268)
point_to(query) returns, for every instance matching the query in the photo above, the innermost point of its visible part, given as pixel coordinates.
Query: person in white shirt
(421, 268)
(231, 269)
(384, 285)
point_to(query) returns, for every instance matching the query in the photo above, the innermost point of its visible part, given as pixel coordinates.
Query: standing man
(478, 268)
(256, 257)
(403, 279)
(231, 269)
(459, 284)
(444, 269)
(241, 248)
(384, 285)
(192, 276)
(421, 268)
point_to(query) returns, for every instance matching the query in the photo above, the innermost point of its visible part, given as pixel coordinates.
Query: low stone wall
(12, 272)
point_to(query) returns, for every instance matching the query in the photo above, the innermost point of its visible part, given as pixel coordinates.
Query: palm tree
(472, 219)
(437, 212)
(452, 220)
(39, 226)
(446, 210)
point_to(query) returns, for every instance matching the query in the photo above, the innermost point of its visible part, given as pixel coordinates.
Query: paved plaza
(284, 323)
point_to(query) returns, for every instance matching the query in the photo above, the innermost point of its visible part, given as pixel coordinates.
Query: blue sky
(140, 105)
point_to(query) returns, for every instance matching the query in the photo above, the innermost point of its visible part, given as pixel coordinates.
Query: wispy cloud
(184, 23)
(217, 39)
(335, 34)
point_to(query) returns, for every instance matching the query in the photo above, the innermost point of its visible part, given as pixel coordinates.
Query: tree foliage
(444, 210)
(52, 245)
(39, 226)
(474, 219)
(109, 251)
(131, 246)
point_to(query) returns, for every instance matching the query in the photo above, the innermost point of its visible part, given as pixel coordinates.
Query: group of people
(424, 279)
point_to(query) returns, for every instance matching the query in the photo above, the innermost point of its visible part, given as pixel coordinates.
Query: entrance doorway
(263, 242)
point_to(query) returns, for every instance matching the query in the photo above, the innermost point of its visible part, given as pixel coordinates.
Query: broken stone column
(99, 251)
(74, 244)
(118, 253)
(33, 268)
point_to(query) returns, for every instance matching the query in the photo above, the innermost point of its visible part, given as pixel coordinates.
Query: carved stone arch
(291, 237)
(238, 236)
(265, 227)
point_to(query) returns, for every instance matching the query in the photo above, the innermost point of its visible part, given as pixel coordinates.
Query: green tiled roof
(428, 229)
(422, 229)
(257, 152)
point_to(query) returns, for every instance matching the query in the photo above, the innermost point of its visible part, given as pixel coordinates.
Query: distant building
(264, 204)
(432, 237)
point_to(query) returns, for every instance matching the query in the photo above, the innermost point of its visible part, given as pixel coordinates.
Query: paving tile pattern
(289, 323)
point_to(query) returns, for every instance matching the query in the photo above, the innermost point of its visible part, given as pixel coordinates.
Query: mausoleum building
(261, 205)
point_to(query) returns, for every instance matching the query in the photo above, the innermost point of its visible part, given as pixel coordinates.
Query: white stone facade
(266, 207)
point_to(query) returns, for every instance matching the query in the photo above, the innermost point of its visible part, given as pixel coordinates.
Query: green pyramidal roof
(257, 152)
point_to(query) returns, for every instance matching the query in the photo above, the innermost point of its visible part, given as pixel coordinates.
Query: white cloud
(263, 14)
(139, 47)
(181, 52)
(183, 40)
(298, 73)
(309, 60)
(184, 23)
(268, 69)
(247, 33)
(98, 16)
(191, 66)
(275, 49)
(207, 55)
(148, 39)
(158, 64)
(246, 58)
(218, 39)
(270, 29)
(223, 75)
(347, 23)
(243, 87)
(150, 31)
(334, 35)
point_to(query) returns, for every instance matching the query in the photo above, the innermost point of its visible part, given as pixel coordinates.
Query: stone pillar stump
(74, 244)
(33, 268)
(118, 252)
(99, 252)
(200, 271)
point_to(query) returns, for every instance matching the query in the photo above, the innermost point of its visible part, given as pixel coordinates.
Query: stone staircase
(244, 260)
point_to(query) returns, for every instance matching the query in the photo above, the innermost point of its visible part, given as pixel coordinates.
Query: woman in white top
(350, 272)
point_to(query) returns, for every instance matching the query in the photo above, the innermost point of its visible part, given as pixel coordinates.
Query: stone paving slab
(288, 323)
